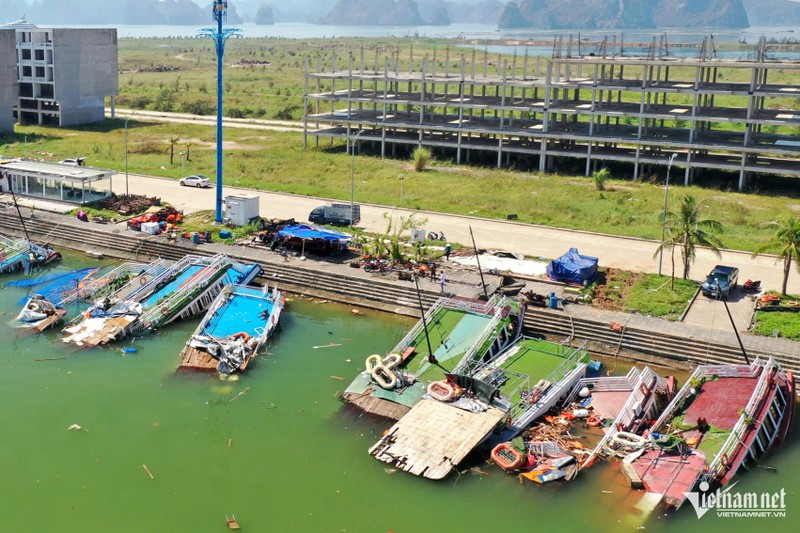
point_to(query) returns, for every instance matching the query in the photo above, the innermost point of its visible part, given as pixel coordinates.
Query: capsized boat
(603, 410)
(39, 314)
(234, 329)
(482, 403)
(722, 417)
(156, 297)
(454, 330)
(21, 255)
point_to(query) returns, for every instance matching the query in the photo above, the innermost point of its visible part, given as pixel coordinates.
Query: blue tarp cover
(573, 267)
(305, 231)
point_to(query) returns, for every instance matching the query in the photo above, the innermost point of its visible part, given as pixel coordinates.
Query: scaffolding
(588, 102)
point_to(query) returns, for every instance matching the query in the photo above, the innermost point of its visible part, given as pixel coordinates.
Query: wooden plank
(434, 437)
(198, 360)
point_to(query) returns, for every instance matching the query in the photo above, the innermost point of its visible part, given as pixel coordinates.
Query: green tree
(687, 230)
(787, 240)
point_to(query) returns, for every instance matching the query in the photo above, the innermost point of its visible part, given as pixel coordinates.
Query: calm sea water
(277, 448)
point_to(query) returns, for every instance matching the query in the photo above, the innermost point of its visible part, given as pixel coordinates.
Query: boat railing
(638, 403)
(158, 271)
(473, 355)
(609, 383)
(418, 327)
(101, 282)
(737, 435)
(172, 303)
(701, 372)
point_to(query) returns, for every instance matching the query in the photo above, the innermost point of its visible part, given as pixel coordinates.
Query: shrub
(421, 157)
(600, 177)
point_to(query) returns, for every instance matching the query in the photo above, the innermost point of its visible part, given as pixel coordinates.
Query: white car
(195, 180)
(75, 162)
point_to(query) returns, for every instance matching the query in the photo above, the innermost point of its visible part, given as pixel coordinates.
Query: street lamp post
(402, 179)
(219, 12)
(126, 155)
(183, 160)
(664, 221)
(353, 175)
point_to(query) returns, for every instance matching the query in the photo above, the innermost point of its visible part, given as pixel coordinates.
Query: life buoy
(241, 335)
(392, 360)
(372, 361)
(165, 311)
(593, 421)
(629, 440)
(143, 281)
(442, 391)
(384, 377)
(507, 457)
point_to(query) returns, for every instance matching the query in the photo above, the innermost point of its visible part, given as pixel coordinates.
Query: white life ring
(373, 361)
(384, 377)
(628, 440)
(392, 360)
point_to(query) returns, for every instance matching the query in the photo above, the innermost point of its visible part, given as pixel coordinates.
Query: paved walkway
(534, 241)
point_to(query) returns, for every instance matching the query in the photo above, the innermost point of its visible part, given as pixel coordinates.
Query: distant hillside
(772, 12)
(598, 14)
(374, 13)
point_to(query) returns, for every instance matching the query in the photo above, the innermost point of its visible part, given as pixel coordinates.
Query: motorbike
(751, 286)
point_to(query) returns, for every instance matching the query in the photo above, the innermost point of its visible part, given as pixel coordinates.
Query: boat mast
(475, 248)
(735, 331)
(21, 220)
(431, 357)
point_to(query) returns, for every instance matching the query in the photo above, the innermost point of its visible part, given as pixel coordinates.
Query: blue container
(553, 301)
(196, 238)
(224, 234)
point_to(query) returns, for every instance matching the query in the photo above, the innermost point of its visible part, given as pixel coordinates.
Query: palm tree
(668, 244)
(172, 142)
(688, 230)
(787, 239)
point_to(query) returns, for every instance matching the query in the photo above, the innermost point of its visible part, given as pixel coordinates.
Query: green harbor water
(276, 448)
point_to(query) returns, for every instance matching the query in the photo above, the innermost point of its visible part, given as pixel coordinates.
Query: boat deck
(537, 359)
(434, 437)
(172, 286)
(451, 333)
(97, 331)
(720, 402)
(669, 475)
(609, 404)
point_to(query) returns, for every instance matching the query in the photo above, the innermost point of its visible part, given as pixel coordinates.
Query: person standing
(442, 281)
(433, 270)
(447, 250)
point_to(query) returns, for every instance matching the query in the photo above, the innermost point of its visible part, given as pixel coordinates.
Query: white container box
(150, 227)
(240, 209)
(417, 235)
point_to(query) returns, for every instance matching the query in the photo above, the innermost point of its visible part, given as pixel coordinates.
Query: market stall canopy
(308, 232)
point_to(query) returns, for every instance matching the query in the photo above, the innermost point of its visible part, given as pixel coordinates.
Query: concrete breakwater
(642, 339)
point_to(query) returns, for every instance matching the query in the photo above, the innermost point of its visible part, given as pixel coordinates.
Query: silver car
(195, 180)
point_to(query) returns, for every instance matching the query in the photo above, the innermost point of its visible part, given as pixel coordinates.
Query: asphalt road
(536, 241)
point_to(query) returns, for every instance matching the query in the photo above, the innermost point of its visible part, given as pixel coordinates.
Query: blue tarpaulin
(308, 232)
(573, 267)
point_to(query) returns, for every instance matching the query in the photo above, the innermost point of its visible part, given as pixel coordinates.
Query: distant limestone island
(567, 14)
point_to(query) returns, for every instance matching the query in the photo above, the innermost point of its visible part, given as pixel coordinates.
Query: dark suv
(721, 281)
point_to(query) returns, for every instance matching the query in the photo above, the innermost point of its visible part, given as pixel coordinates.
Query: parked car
(722, 280)
(195, 180)
(74, 162)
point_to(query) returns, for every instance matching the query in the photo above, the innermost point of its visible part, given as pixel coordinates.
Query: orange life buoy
(241, 335)
(593, 421)
(143, 281)
(441, 390)
(507, 457)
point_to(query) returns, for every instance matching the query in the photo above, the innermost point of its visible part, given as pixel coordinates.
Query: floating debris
(74, 426)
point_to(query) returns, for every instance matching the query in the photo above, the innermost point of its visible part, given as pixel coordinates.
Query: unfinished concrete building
(64, 74)
(8, 80)
(574, 111)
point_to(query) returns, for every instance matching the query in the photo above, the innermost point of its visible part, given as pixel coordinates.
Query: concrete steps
(385, 294)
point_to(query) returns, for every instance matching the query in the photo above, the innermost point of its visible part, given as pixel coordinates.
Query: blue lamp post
(219, 12)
